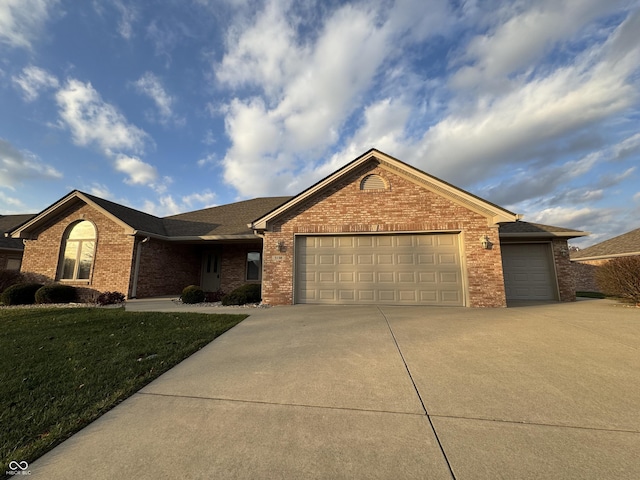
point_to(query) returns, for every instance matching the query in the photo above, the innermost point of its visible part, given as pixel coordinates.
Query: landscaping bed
(62, 368)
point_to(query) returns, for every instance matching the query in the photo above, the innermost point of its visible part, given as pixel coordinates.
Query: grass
(61, 368)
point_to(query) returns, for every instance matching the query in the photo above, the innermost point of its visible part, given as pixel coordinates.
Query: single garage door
(528, 272)
(379, 269)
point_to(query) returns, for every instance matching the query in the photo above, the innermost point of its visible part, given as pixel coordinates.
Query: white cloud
(18, 166)
(139, 172)
(150, 85)
(33, 80)
(204, 199)
(211, 158)
(167, 205)
(128, 15)
(636, 197)
(91, 120)
(526, 35)
(309, 89)
(22, 21)
(10, 205)
(100, 190)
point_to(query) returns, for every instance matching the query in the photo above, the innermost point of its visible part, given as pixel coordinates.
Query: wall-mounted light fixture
(281, 246)
(486, 243)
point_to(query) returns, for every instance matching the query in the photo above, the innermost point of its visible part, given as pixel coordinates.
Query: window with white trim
(254, 266)
(78, 249)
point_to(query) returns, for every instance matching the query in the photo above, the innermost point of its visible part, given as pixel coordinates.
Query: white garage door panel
(528, 272)
(385, 269)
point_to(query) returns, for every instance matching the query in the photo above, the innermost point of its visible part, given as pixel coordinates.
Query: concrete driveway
(533, 392)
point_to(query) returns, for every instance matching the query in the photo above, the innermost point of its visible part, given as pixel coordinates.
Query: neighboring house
(11, 249)
(376, 231)
(586, 262)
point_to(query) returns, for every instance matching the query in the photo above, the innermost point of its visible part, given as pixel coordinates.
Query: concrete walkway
(533, 392)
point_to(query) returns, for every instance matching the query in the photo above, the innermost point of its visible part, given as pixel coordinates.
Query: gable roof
(520, 229)
(8, 223)
(493, 212)
(623, 245)
(223, 222)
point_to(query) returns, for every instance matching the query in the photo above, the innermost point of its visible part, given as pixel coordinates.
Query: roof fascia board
(604, 257)
(493, 212)
(543, 234)
(191, 238)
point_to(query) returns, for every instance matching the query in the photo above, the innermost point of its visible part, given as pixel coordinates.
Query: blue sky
(175, 105)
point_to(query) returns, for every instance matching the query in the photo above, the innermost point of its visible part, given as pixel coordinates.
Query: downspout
(136, 268)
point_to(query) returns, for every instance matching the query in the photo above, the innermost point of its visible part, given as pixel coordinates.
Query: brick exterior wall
(584, 274)
(233, 271)
(166, 268)
(564, 270)
(404, 207)
(113, 253)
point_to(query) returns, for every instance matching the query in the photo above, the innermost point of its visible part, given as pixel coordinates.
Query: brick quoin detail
(404, 207)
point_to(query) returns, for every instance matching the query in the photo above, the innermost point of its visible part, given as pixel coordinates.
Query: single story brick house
(376, 231)
(585, 262)
(11, 249)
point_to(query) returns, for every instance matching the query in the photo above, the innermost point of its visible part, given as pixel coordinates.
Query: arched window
(79, 247)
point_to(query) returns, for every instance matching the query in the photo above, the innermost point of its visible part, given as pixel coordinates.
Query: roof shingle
(627, 243)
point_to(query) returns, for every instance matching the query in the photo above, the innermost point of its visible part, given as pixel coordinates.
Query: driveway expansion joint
(537, 424)
(279, 404)
(415, 387)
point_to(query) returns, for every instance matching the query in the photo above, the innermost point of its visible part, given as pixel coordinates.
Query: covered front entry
(404, 269)
(528, 271)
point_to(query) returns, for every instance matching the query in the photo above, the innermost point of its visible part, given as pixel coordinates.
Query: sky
(176, 105)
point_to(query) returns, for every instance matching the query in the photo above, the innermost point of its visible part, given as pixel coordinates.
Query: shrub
(214, 296)
(192, 294)
(248, 293)
(110, 298)
(20, 294)
(56, 293)
(620, 277)
(8, 278)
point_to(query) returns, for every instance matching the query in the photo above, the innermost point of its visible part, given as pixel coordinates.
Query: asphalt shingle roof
(229, 219)
(8, 223)
(132, 217)
(626, 243)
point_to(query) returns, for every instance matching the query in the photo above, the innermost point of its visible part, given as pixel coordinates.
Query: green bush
(56, 293)
(192, 294)
(20, 294)
(248, 293)
(620, 277)
(110, 298)
(8, 278)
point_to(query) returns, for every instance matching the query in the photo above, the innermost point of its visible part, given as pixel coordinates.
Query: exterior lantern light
(281, 246)
(486, 243)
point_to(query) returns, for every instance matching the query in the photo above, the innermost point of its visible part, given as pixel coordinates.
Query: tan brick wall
(113, 253)
(166, 268)
(233, 271)
(404, 207)
(564, 270)
(584, 274)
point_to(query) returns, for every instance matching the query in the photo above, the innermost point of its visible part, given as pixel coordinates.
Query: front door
(210, 271)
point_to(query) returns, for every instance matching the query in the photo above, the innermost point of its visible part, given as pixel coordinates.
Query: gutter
(604, 257)
(136, 268)
(191, 238)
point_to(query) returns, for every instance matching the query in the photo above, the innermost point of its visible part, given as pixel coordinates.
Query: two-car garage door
(409, 269)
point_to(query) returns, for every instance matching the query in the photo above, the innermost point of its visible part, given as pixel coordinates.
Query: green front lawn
(61, 368)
